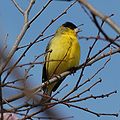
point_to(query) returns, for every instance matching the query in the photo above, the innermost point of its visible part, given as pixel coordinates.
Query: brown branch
(95, 37)
(39, 13)
(93, 97)
(86, 90)
(101, 30)
(55, 79)
(100, 15)
(36, 41)
(85, 81)
(18, 39)
(90, 111)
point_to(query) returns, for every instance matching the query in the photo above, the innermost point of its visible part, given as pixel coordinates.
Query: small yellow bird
(64, 55)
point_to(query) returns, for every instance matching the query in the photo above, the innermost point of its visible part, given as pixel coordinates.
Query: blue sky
(11, 21)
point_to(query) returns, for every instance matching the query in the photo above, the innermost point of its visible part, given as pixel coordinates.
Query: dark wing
(44, 73)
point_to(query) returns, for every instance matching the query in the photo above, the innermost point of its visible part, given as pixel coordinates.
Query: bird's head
(67, 28)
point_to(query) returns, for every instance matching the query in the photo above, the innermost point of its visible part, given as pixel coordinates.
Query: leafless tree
(19, 96)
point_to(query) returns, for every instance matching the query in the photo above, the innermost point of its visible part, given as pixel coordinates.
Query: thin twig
(18, 40)
(38, 14)
(17, 6)
(39, 88)
(101, 30)
(90, 111)
(100, 15)
(93, 97)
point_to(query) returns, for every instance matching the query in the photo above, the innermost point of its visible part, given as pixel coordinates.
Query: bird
(62, 54)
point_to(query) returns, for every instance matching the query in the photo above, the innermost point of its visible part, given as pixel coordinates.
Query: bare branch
(100, 15)
(55, 79)
(19, 38)
(38, 14)
(18, 7)
(93, 97)
(90, 111)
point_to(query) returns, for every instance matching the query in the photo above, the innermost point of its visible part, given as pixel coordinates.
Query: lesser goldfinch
(64, 54)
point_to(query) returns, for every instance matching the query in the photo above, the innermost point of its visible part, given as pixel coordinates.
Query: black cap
(69, 25)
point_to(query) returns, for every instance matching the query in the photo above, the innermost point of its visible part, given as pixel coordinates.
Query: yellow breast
(65, 54)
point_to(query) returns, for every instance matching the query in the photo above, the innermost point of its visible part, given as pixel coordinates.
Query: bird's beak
(77, 30)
